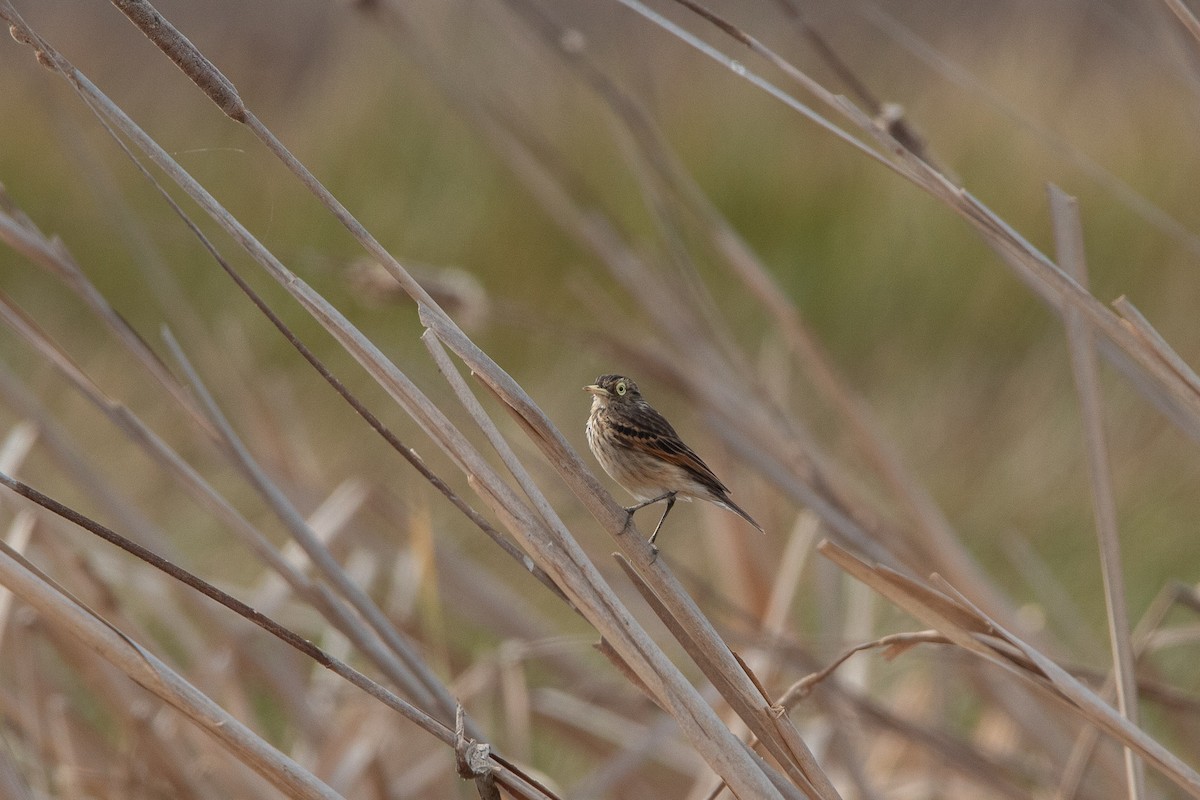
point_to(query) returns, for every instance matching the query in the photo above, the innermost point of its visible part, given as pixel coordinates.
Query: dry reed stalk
(1186, 18)
(1068, 232)
(969, 628)
(1046, 279)
(929, 511)
(1150, 623)
(144, 667)
(1128, 196)
(673, 604)
(507, 773)
(692, 329)
(21, 234)
(677, 694)
(420, 680)
(933, 539)
(1019, 253)
(767, 437)
(417, 680)
(317, 594)
(1062, 610)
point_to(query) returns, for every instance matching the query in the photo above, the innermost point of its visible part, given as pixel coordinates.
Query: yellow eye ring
(621, 388)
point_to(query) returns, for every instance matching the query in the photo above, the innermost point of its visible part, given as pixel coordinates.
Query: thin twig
(895, 644)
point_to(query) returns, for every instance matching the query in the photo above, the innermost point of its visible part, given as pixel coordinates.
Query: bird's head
(613, 389)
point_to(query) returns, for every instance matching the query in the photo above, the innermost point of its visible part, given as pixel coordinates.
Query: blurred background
(963, 369)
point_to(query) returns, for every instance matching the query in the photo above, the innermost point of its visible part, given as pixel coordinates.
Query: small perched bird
(640, 450)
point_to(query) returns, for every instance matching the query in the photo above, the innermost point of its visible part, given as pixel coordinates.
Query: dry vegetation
(219, 582)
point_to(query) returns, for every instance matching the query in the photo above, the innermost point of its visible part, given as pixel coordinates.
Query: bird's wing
(655, 436)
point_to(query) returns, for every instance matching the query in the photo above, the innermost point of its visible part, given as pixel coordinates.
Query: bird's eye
(621, 388)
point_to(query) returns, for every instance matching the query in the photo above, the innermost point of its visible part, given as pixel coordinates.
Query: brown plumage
(640, 450)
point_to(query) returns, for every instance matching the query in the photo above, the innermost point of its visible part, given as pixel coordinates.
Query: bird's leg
(664, 496)
(670, 502)
(669, 497)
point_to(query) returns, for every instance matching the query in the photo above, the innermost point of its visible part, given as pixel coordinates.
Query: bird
(640, 450)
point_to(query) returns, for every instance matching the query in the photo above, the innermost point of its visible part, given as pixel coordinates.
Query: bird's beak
(599, 391)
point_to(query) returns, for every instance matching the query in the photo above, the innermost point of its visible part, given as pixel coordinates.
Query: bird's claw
(629, 510)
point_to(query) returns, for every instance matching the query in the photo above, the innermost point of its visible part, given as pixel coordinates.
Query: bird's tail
(735, 508)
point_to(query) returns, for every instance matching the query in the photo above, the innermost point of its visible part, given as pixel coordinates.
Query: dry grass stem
(1133, 200)
(1068, 232)
(419, 680)
(1185, 17)
(806, 336)
(969, 628)
(1043, 277)
(894, 645)
(141, 665)
(76, 615)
